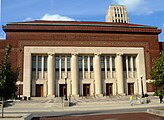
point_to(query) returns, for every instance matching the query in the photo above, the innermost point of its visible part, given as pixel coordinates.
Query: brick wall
(82, 36)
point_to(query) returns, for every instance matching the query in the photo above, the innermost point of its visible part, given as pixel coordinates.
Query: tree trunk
(2, 108)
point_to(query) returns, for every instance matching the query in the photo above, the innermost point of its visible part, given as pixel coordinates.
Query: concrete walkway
(80, 104)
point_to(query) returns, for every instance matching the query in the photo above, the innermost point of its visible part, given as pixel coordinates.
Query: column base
(50, 96)
(121, 94)
(99, 95)
(75, 96)
(66, 103)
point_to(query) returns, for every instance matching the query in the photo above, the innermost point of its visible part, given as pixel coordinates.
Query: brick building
(82, 58)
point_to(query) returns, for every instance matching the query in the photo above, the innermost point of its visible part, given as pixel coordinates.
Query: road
(127, 116)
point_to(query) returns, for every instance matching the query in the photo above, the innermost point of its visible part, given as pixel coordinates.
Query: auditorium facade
(58, 58)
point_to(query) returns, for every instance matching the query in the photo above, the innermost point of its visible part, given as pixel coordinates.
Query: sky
(146, 12)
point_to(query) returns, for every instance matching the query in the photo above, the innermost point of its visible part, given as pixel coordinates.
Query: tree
(8, 77)
(157, 72)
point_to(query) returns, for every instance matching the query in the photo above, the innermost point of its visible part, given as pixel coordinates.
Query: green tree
(157, 72)
(8, 77)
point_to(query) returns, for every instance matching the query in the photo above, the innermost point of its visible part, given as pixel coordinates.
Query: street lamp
(65, 78)
(142, 86)
(19, 83)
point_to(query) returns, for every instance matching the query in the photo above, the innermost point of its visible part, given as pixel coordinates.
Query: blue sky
(147, 12)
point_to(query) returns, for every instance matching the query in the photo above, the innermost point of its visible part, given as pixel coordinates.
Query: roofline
(79, 23)
(40, 25)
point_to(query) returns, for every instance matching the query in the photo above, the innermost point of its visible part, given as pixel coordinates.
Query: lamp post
(65, 78)
(142, 86)
(19, 83)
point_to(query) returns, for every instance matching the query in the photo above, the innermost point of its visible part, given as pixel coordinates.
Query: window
(115, 10)
(80, 63)
(62, 63)
(91, 63)
(45, 63)
(129, 63)
(108, 63)
(102, 63)
(85, 63)
(124, 63)
(39, 63)
(134, 63)
(57, 63)
(33, 63)
(113, 63)
(68, 64)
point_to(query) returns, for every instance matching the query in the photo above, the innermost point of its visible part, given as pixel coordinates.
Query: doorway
(130, 88)
(109, 89)
(86, 89)
(39, 90)
(62, 89)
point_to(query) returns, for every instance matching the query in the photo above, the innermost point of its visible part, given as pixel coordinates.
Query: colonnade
(75, 76)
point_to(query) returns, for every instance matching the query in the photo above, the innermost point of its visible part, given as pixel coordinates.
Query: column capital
(119, 54)
(74, 53)
(51, 53)
(97, 54)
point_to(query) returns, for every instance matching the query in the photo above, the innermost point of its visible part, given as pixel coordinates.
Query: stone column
(74, 74)
(97, 74)
(119, 73)
(51, 72)
(27, 73)
(42, 67)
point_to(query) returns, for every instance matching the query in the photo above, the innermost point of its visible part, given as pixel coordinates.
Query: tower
(117, 14)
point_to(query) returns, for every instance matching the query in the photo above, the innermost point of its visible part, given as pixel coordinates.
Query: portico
(95, 69)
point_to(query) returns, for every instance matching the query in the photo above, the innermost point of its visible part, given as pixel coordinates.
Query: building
(82, 58)
(117, 13)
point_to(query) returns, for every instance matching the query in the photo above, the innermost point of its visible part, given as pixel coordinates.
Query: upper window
(108, 63)
(129, 63)
(85, 63)
(39, 63)
(102, 63)
(91, 63)
(68, 64)
(57, 63)
(62, 63)
(33, 63)
(124, 63)
(134, 63)
(80, 63)
(113, 63)
(45, 63)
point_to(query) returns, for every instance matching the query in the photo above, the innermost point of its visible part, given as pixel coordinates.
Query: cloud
(52, 17)
(28, 19)
(142, 7)
(56, 17)
(2, 35)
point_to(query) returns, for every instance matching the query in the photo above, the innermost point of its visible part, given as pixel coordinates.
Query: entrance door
(86, 89)
(62, 92)
(109, 90)
(130, 88)
(39, 90)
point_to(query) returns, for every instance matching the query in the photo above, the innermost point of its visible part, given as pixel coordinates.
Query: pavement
(46, 105)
